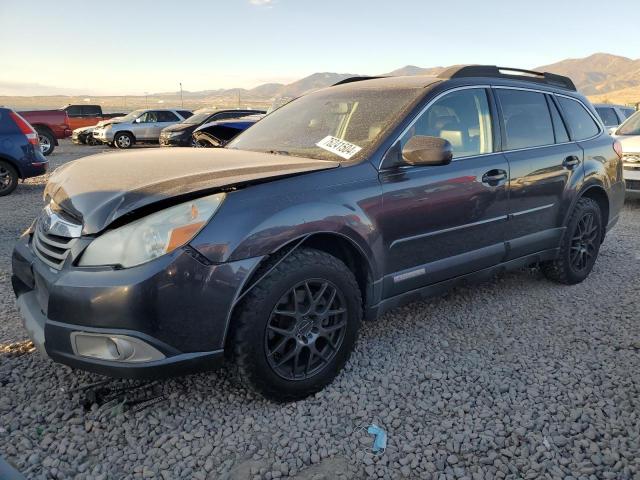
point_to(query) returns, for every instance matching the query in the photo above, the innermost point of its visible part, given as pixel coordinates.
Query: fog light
(118, 348)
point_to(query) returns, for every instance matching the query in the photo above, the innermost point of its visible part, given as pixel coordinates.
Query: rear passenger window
(164, 116)
(608, 116)
(558, 125)
(462, 118)
(526, 117)
(581, 124)
(185, 113)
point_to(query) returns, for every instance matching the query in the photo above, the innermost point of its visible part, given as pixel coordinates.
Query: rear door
(440, 222)
(545, 166)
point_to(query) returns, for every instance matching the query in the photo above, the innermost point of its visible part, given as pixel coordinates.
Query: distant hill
(599, 73)
(601, 76)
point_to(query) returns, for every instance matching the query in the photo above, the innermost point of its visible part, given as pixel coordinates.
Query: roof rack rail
(463, 71)
(355, 79)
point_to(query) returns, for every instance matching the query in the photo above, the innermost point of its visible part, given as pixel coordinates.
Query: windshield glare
(359, 116)
(631, 126)
(197, 117)
(131, 116)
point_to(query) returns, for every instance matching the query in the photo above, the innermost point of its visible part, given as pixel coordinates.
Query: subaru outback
(336, 207)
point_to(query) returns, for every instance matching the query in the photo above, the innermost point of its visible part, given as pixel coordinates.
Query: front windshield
(198, 117)
(129, 117)
(631, 126)
(333, 124)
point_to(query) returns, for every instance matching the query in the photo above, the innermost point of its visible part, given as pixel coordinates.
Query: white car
(629, 137)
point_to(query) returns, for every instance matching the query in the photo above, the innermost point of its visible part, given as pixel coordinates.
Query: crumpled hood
(630, 143)
(102, 188)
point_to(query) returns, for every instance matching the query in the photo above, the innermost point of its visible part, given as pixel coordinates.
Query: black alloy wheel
(306, 329)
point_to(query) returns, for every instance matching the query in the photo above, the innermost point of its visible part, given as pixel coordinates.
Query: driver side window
(463, 118)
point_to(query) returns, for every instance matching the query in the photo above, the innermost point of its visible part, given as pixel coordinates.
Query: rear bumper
(175, 304)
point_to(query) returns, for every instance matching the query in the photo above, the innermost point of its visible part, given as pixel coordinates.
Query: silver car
(140, 126)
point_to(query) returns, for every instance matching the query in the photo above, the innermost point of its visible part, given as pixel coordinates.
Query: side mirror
(423, 150)
(137, 120)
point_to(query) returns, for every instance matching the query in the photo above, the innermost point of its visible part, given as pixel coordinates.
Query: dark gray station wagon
(334, 208)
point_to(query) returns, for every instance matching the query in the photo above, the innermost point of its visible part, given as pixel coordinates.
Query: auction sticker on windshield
(340, 147)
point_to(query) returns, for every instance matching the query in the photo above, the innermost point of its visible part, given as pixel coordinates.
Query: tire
(286, 355)
(8, 178)
(47, 141)
(580, 245)
(123, 140)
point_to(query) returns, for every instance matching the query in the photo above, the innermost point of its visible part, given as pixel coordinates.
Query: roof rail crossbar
(355, 79)
(463, 71)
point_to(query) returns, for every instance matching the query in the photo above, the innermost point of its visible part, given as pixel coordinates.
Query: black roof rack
(355, 79)
(463, 71)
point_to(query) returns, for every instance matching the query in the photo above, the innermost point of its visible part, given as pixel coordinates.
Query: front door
(440, 222)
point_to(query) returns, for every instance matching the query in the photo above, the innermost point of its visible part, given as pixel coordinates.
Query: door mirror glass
(138, 120)
(423, 150)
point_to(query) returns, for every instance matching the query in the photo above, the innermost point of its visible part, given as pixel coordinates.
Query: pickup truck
(87, 115)
(51, 126)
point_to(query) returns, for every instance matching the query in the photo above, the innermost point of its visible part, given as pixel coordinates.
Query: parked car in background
(84, 135)
(218, 133)
(628, 134)
(139, 126)
(338, 206)
(180, 134)
(20, 153)
(87, 115)
(51, 126)
(613, 115)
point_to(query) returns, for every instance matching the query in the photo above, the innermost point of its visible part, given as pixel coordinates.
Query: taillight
(25, 128)
(617, 147)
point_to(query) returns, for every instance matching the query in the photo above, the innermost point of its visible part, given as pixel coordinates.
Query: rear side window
(91, 110)
(526, 117)
(608, 116)
(164, 116)
(558, 124)
(462, 118)
(627, 112)
(581, 124)
(74, 111)
(185, 113)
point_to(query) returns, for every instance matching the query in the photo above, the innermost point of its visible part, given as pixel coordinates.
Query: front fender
(259, 220)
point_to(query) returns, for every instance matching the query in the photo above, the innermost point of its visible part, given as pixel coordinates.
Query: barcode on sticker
(341, 148)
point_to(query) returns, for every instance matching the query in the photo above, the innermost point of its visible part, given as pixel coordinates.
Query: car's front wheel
(123, 140)
(296, 328)
(580, 245)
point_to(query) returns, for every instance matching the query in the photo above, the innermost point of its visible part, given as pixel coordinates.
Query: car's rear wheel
(123, 140)
(8, 178)
(47, 141)
(297, 327)
(580, 245)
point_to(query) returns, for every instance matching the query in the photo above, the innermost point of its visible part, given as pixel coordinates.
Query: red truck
(53, 125)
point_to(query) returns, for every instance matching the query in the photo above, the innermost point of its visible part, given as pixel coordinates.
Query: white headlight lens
(152, 236)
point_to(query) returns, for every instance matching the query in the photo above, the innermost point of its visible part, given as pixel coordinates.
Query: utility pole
(146, 99)
(181, 99)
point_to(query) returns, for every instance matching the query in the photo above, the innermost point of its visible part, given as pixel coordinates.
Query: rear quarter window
(580, 122)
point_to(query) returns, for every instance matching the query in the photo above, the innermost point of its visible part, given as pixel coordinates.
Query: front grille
(631, 158)
(51, 249)
(633, 184)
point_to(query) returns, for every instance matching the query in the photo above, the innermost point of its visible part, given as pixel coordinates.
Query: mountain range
(601, 76)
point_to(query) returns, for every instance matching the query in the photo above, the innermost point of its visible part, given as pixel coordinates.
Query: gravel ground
(516, 378)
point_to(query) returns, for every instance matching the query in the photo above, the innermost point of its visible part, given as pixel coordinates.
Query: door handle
(570, 162)
(494, 176)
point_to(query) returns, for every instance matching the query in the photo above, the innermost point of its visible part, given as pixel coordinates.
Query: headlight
(174, 134)
(152, 236)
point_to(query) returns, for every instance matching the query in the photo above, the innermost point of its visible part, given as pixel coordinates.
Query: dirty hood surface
(102, 188)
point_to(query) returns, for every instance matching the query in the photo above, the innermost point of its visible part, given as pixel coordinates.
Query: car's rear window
(631, 126)
(608, 116)
(581, 124)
